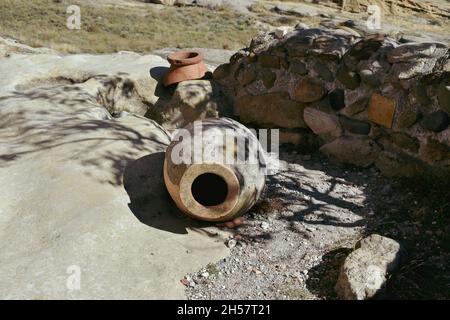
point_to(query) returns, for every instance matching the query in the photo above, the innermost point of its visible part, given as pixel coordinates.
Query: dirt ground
(313, 212)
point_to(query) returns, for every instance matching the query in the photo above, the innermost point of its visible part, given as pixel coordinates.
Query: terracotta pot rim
(184, 58)
(184, 73)
(219, 211)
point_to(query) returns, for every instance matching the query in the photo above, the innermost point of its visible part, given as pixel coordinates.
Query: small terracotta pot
(185, 65)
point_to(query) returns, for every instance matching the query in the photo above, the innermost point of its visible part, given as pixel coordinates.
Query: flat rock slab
(83, 196)
(22, 72)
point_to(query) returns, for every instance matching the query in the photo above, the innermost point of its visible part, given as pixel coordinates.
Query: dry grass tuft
(108, 28)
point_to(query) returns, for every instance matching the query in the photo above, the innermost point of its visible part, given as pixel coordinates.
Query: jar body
(214, 169)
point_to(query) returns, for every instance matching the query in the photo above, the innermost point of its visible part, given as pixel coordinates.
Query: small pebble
(231, 243)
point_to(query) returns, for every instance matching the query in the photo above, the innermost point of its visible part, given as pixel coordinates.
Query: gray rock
(329, 47)
(231, 243)
(404, 141)
(321, 122)
(365, 270)
(362, 50)
(274, 110)
(413, 51)
(269, 61)
(222, 71)
(308, 90)
(394, 165)
(359, 151)
(323, 71)
(406, 119)
(349, 79)
(299, 10)
(164, 2)
(193, 100)
(436, 121)
(261, 42)
(369, 78)
(301, 25)
(298, 67)
(10, 46)
(247, 75)
(337, 99)
(349, 23)
(356, 107)
(265, 225)
(408, 70)
(444, 97)
(298, 46)
(420, 94)
(432, 150)
(355, 126)
(268, 78)
(282, 31)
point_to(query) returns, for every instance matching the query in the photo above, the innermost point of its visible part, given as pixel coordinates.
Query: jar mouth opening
(209, 191)
(183, 58)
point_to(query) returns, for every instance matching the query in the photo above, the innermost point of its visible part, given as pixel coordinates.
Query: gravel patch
(313, 212)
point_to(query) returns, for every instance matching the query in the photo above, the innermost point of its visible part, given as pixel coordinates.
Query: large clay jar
(210, 184)
(185, 65)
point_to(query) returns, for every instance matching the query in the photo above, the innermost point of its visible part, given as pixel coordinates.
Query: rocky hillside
(404, 7)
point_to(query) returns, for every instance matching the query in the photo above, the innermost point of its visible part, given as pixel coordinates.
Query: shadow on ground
(320, 208)
(412, 211)
(149, 200)
(323, 277)
(158, 73)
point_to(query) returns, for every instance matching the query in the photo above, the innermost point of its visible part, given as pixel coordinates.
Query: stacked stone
(368, 101)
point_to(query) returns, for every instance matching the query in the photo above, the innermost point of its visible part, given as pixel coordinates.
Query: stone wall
(366, 101)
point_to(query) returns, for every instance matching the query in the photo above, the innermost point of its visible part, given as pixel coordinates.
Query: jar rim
(183, 58)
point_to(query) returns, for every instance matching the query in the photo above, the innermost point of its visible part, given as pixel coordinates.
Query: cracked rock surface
(83, 198)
